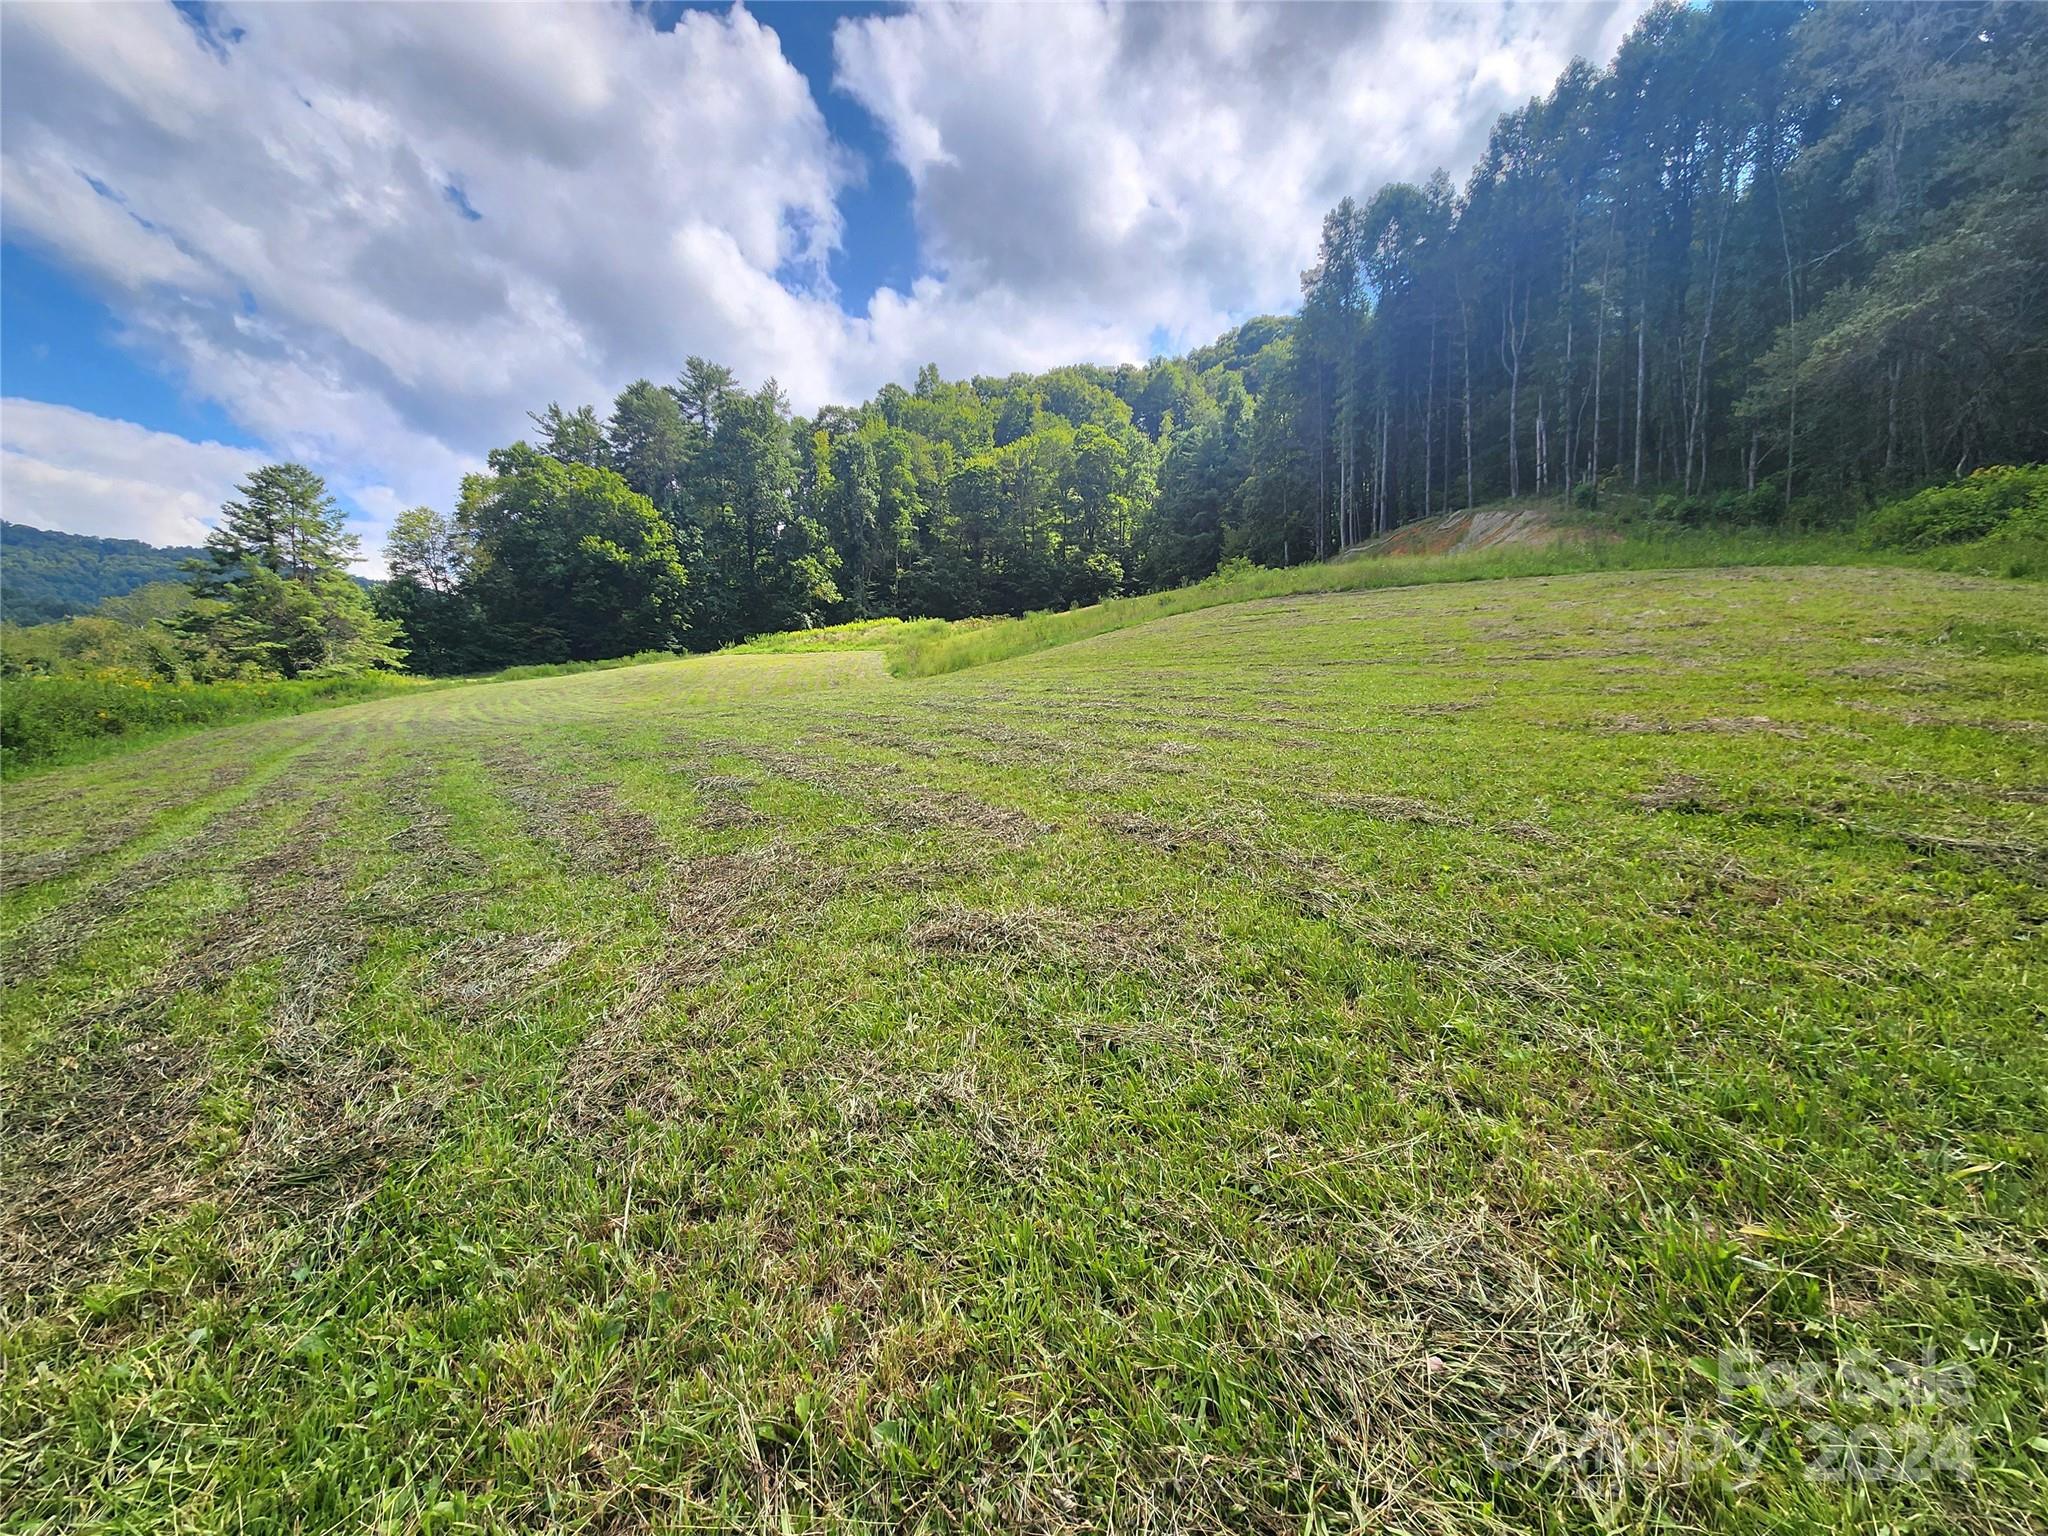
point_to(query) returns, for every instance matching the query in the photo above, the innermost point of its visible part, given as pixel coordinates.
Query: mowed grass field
(1367, 1061)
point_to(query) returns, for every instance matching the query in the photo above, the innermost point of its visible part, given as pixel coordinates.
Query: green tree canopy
(567, 561)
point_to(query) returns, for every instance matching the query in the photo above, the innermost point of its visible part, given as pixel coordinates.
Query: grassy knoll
(931, 647)
(50, 720)
(1361, 1060)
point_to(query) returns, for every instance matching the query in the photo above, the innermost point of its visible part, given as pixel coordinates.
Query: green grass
(1309, 1064)
(532, 670)
(859, 635)
(50, 720)
(46, 721)
(924, 651)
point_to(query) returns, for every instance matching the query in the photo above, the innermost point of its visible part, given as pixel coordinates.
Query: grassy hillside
(929, 648)
(1363, 1059)
(74, 718)
(1501, 539)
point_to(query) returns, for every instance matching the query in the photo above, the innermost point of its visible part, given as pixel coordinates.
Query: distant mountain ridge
(46, 575)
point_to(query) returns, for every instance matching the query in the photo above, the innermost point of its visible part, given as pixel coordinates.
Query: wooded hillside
(48, 575)
(1772, 264)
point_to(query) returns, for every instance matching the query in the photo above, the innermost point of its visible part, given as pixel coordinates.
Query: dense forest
(1775, 265)
(1788, 257)
(53, 575)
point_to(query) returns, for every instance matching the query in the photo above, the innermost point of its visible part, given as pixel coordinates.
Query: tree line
(702, 512)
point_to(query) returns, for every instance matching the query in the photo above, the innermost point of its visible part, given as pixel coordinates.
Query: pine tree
(273, 595)
(284, 522)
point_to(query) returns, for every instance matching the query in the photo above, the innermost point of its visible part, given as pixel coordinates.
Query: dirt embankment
(1499, 527)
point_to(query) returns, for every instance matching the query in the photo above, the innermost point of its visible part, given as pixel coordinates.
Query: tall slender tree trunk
(1642, 327)
(1344, 450)
(1429, 425)
(1322, 460)
(1792, 320)
(1696, 424)
(1379, 467)
(1511, 340)
(1571, 283)
(1599, 357)
(1450, 440)
(1381, 479)
(1465, 324)
(1447, 437)
(1407, 439)
(1387, 485)
(1395, 491)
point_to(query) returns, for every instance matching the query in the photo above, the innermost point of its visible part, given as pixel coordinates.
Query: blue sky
(60, 343)
(372, 237)
(879, 246)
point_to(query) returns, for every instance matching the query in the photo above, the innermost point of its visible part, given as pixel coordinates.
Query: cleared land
(1314, 1063)
(1508, 525)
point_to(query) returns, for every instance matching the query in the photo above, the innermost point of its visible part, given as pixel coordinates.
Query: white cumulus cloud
(80, 473)
(377, 235)
(279, 208)
(1167, 167)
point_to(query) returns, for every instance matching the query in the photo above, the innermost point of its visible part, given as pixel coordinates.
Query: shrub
(1760, 508)
(1231, 572)
(2000, 500)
